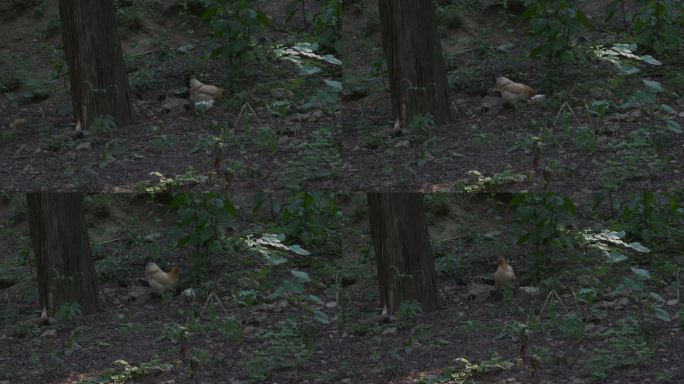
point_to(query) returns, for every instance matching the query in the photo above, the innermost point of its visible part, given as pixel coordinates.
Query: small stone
(18, 123)
(9, 82)
(85, 146)
(281, 93)
(331, 304)
(247, 283)
(588, 280)
(185, 49)
(600, 93)
(152, 237)
(175, 105)
(672, 302)
(389, 331)
(491, 103)
(180, 92)
(135, 292)
(402, 144)
(529, 291)
(681, 114)
(480, 292)
(49, 333)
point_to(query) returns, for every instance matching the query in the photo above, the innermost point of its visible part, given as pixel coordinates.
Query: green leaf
(300, 275)
(667, 108)
(308, 69)
(262, 18)
(334, 84)
(638, 247)
(673, 126)
(641, 272)
(653, 85)
(661, 314)
(321, 317)
(299, 250)
(650, 60)
(616, 257)
(655, 296)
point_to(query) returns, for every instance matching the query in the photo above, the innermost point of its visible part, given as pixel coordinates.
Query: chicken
(204, 92)
(504, 276)
(159, 280)
(512, 92)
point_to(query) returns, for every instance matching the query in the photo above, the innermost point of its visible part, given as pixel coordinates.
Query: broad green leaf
(655, 296)
(308, 69)
(321, 317)
(616, 257)
(661, 314)
(641, 272)
(653, 85)
(638, 247)
(300, 275)
(673, 126)
(299, 250)
(334, 84)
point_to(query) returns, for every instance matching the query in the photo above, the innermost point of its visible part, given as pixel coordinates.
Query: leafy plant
(205, 216)
(308, 217)
(68, 312)
(325, 22)
(646, 100)
(658, 25)
(103, 125)
(650, 216)
(408, 310)
(235, 24)
(544, 218)
(293, 289)
(558, 24)
(635, 287)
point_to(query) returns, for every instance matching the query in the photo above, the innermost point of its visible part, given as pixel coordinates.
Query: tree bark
(406, 268)
(66, 270)
(418, 81)
(99, 85)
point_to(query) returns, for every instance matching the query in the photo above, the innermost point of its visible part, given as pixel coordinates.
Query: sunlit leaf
(641, 272)
(300, 275)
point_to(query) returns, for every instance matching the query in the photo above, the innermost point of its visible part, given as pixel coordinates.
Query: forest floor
(580, 148)
(585, 334)
(287, 118)
(303, 136)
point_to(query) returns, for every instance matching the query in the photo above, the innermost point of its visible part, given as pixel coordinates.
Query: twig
(242, 110)
(551, 292)
(142, 53)
(562, 108)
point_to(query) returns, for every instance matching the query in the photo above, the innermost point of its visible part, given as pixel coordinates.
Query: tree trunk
(66, 271)
(406, 269)
(99, 86)
(418, 81)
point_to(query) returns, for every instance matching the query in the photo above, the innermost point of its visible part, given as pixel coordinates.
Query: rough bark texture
(64, 262)
(418, 81)
(99, 86)
(406, 269)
